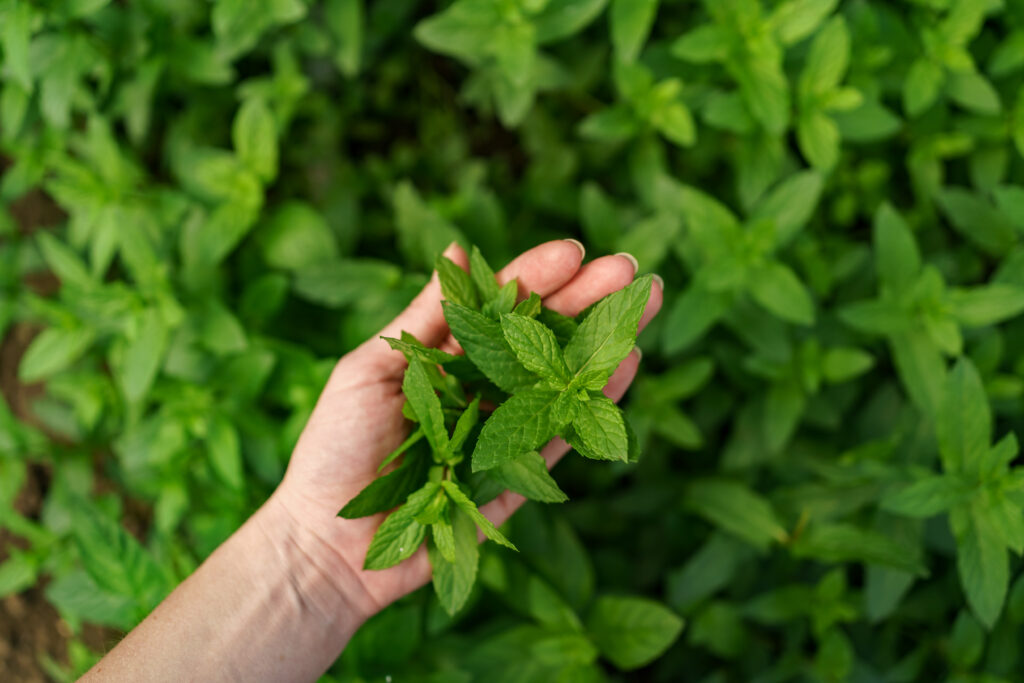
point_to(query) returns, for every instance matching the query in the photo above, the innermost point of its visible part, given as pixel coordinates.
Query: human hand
(358, 419)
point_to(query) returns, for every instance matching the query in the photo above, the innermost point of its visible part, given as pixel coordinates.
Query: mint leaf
(983, 568)
(453, 581)
(484, 343)
(527, 474)
(928, 496)
(464, 425)
(529, 307)
(964, 425)
(414, 437)
(443, 538)
(601, 429)
(400, 534)
(426, 406)
(469, 507)
(504, 302)
(897, 258)
(522, 423)
(733, 507)
(483, 277)
(536, 348)
(607, 335)
(388, 491)
(631, 631)
(456, 284)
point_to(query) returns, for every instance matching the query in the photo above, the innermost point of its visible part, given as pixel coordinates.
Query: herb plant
(204, 203)
(543, 387)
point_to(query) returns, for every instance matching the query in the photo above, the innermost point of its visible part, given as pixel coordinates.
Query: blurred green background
(203, 204)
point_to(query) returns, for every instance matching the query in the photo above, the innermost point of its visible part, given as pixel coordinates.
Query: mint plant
(542, 388)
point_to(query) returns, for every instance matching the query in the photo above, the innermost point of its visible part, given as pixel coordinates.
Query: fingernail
(632, 259)
(657, 278)
(639, 353)
(579, 245)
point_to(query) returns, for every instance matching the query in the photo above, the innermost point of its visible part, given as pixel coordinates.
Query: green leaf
(794, 20)
(344, 282)
(973, 92)
(964, 424)
(483, 277)
(115, 560)
(427, 406)
(841, 364)
(52, 351)
(928, 496)
(614, 124)
(562, 18)
(143, 355)
(631, 631)
(225, 452)
(388, 491)
(64, 262)
(600, 427)
(977, 220)
(527, 474)
(827, 59)
(818, 136)
(345, 20)
(400, 535)
(897, 259)
(522, 423)
(536, 348)
(469, 507)
(780, 291)
(983, 568)
(734, 508)
(706, 43)
(453, 581)
(456, 284)
(607, 335)
(791, 204)
(875, 317)
(987, 305)
(443, 538)
(464, 425)
(631, 22)
(921, 368)
(254, 134)
(850, 543)
(690, 317)
(921, 86)
(675, 122)
(484, 343)
(296, 237)
(17, 572)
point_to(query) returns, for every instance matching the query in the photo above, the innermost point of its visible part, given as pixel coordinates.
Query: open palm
(358, 419)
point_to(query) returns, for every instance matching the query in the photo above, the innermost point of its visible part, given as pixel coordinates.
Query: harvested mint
(544, 374)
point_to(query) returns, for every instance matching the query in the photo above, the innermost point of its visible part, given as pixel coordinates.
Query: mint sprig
(542, 371)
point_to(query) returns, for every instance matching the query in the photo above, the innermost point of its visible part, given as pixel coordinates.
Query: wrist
(324, 582)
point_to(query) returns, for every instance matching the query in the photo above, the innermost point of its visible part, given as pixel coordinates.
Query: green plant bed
(832, 190)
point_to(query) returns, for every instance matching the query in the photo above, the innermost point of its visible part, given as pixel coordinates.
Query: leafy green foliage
(832, 190)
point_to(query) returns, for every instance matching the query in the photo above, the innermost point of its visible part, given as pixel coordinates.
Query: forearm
(266, 606)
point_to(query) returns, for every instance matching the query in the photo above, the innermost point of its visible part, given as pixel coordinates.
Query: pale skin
(280, 599)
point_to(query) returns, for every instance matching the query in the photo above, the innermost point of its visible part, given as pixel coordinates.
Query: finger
(545, 268)
(593, 282)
